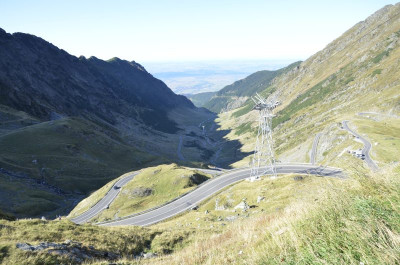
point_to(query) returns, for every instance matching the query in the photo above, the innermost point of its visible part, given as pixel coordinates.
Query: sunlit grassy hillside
(355, 221)
(356, 73)
(152, 187)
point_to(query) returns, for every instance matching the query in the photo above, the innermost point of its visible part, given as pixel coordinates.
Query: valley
(68, 143)
(139, 175)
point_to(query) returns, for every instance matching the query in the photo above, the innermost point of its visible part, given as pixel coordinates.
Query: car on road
(116, 187)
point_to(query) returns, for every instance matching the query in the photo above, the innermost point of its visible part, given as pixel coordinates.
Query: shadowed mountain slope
(69, 125)
(44, 81)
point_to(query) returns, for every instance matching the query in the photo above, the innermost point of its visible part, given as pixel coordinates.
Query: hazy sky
(178, 30)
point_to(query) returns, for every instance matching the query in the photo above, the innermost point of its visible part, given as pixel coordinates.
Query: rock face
(231, 218)
(219, 207)
(298, 178)
(196, 179)
(149, 255)
(260, 198)
(142, 192)
(243, 206)
(71, 249)
(46, 82)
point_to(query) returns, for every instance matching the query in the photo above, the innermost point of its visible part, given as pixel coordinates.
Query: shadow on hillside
(216, 149)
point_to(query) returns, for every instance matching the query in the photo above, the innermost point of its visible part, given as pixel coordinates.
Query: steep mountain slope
(358, 72)
(236, 94)
(69, 125)
(42, 80)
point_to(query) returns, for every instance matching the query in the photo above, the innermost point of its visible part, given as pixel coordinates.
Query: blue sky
(178, 30)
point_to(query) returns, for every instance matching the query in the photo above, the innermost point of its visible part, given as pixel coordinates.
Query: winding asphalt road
(208, 188)
(366, 149)
(314, 148)
(105, 201)
(211, 187)
(113, 193)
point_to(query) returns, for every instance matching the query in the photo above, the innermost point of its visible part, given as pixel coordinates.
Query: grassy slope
(78, 156)
(29, 198)
(166, 182)
(384, 134)
(342, 222)
(126, 241)
(72, 154)
(328, 88)
(278, 194)
(244, 88)
(11, 119)
(72, 147)
(93, 198)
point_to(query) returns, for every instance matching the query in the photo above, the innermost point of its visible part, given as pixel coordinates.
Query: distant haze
(177, 30)
(206, 76)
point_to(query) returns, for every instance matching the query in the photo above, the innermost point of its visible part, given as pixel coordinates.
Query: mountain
(201, 98)
(292, 219)
(38, 78)
(236, 94)
(354, 76)
(69, 125)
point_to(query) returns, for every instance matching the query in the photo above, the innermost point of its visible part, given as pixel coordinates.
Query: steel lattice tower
(263, 161)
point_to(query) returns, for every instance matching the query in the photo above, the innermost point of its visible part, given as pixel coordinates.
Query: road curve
(314, 148)
(211, 187)
(367, 146)
(105, 201)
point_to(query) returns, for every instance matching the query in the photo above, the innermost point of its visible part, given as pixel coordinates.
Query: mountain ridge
(238, 93)
(74, 85)
(357, 72)
(70, 124)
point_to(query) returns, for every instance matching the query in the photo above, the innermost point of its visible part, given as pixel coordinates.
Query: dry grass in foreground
(357, 222)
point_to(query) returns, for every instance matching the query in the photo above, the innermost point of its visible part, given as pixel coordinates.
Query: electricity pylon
(263, 161)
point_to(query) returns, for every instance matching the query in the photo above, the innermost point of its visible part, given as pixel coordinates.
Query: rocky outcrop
(260, 198)
(195, 179)
(74, 251)
(242, 206)
(141, 192)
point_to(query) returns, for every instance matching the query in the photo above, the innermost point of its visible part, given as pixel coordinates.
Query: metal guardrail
(202, 184)
(166, 203)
